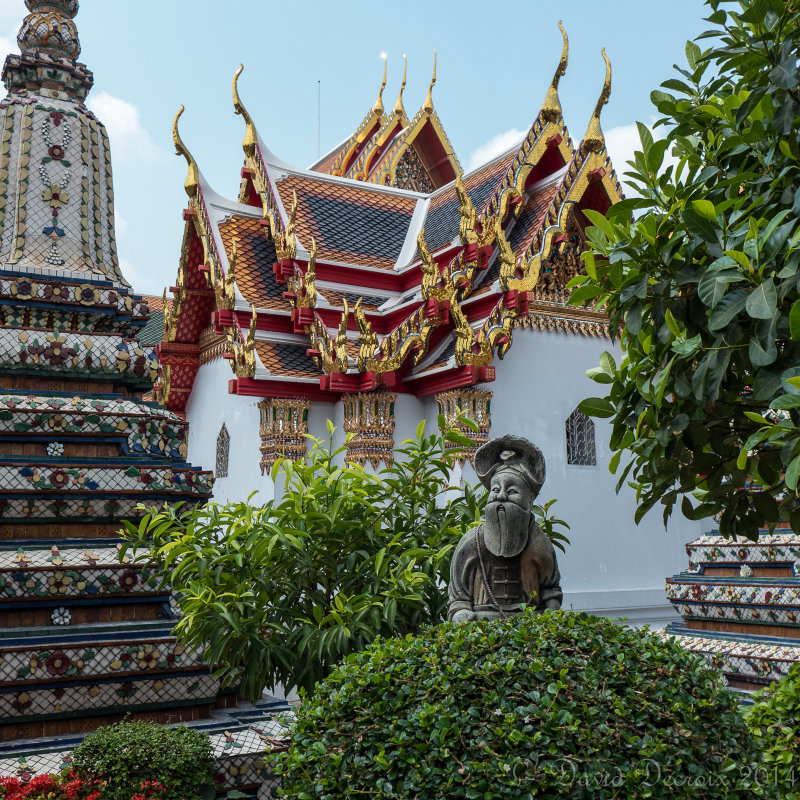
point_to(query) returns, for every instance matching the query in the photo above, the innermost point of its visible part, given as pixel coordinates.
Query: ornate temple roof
(383, 260)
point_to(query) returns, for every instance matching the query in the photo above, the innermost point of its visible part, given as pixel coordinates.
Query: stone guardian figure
(506, 561)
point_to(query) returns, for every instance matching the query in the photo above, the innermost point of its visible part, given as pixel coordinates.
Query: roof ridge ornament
(193, 173)
(399, 111)
(428, 105)
(551, 109)
(593, 140)
(251, 135)
(378, 107)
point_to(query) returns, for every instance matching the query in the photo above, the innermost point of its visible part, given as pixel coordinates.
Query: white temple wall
(209, 406)
(612, 566)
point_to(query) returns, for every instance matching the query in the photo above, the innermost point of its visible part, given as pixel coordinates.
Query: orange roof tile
(255, 257)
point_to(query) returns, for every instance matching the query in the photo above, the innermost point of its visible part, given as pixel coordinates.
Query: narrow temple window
(580, 439)
(223, 449)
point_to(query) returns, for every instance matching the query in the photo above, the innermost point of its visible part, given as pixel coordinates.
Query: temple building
(382, 286)
(85, 637)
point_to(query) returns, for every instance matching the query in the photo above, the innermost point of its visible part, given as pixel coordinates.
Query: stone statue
(507, 560)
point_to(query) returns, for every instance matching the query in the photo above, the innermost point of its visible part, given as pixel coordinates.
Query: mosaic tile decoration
(25, 703)
(756, 659)
(68, 509)
(148, 429)
(86, 297)
(75, 353)
(49, 663)
(775, 548)
(732, 591)
(92, 479)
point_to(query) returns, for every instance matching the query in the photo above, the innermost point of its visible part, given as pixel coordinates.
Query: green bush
(279, 593)
(774, 719)
(558, 705)
(126, 755)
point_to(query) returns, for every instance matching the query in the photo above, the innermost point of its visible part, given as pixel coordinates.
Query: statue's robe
(532, 577)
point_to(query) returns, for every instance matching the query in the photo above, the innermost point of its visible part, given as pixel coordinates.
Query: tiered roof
(383, 264)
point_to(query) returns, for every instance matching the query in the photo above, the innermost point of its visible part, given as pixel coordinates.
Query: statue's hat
(511, 452)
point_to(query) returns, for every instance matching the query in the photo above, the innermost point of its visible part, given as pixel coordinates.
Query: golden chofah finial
(594, 141)
(250, 135)
(193, 173)
(428, 106)
(378, 107)
(551, 110)
(398, 106)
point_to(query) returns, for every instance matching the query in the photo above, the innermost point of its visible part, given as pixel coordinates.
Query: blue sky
(495, 63)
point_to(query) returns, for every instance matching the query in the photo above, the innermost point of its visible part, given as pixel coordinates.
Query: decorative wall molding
(369, 418)
(284, 425)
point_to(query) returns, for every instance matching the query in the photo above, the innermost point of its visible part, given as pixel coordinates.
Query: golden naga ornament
(307, 298)
(467, 229)
(250, 347)
(367, 338)
(505, 254)
(340, 342)
(431, 276)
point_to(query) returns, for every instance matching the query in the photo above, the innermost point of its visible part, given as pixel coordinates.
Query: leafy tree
(281, 592)
(702, 287)
(558, 705)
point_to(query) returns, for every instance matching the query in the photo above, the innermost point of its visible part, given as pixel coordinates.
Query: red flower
(56, 151)
(58, 663)
(59, 478)
(128, 580)
(145, 477)
(767, 597)
(56, 116)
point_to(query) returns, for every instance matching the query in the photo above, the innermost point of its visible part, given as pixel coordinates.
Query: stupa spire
(49, 48)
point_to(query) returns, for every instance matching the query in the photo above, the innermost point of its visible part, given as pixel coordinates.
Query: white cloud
(8, 44)
(120, 224)
(129, 140)
(494, 147)
(623, 141)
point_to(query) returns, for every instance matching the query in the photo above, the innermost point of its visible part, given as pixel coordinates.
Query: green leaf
(705, 208)
(762, 301)
(597, 407)
(727, 308)
(792, 472)
(672, 323)
(794, 320)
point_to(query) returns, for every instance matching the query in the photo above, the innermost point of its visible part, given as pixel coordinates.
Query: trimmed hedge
(125, 758)
(557, 705)
(774, 719)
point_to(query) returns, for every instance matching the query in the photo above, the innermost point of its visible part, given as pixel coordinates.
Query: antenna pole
(319, 115)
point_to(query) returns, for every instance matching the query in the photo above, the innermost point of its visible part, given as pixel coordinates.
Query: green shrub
(279, 593)
(774, 719)
(125, 755)
(558, 705)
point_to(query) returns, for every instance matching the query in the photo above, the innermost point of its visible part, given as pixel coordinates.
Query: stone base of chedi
(740, 603)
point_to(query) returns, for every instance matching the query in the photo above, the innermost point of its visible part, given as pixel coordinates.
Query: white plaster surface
(209, 406)
(612, 566)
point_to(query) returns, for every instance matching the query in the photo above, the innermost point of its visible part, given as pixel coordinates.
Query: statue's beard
(506, 529)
